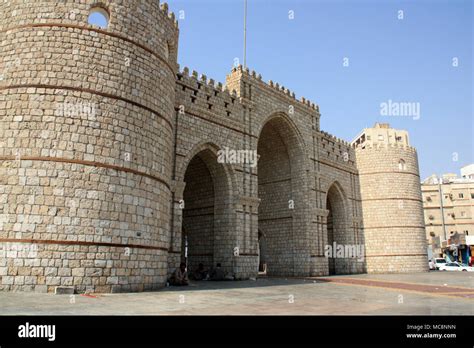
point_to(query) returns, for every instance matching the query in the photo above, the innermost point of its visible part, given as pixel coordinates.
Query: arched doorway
(337, 231)
(281, 189)
(207, 213)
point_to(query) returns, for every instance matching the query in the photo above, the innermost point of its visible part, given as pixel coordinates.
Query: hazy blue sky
(408, 60)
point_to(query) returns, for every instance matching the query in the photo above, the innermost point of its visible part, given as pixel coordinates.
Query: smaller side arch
(204, 208)
(338, 232)
(210, 148)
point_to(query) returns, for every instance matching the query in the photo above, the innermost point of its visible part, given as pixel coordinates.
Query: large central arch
(281, 189)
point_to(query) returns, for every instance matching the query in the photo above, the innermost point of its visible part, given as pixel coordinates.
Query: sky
(349, 56)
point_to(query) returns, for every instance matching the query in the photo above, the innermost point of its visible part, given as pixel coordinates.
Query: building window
(461, 195)
(99, 16)
(380, 137)
(472, 195)
(402, 165)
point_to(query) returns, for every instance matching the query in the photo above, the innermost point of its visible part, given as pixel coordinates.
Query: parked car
(456, 266)
(438, 262)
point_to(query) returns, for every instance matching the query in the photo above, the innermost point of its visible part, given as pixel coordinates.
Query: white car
(455, 266)
(437, 262)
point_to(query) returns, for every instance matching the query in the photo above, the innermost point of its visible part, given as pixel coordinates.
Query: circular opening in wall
(99, 16)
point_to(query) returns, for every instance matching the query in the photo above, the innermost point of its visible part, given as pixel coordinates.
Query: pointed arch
(212, 150)
(208, 214)
(338, 232)
(297, 139)
(282, 189)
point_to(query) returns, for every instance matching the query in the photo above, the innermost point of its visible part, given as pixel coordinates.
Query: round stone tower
(86, 144)
(392, 205)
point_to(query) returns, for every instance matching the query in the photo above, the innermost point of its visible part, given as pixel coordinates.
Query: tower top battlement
(196, 77)
(257, 79)
(165, 10)
(381, 146)
(335, 138)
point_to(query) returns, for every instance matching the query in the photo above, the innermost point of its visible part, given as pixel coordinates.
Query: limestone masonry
(110, 170)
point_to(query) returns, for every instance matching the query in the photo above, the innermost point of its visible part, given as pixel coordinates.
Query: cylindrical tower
(392, 205)
(86, 144)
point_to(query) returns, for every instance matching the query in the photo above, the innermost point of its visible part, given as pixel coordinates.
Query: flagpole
(245, 34)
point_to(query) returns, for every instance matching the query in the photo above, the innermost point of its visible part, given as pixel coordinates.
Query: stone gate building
(111, 163)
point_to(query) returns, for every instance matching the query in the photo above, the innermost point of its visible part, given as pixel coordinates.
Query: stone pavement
(433, 293)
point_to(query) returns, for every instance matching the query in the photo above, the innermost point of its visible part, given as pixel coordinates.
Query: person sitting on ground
(200, 273)
(179, 276)
(217, 273)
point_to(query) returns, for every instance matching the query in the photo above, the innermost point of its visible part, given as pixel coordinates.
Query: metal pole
(245, 34)
(441, 205)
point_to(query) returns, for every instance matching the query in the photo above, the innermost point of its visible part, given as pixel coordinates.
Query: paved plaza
(433, 293)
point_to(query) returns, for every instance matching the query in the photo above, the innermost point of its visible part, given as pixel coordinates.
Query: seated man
(217, 273)
(200, 273)
(179, 276)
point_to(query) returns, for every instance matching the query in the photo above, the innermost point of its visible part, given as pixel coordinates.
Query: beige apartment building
(381, 133)
(449, 208)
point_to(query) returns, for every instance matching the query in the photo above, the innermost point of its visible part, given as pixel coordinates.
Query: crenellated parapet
(383, 146)
(198, 94)
(333, 138)
(165, 10)
(336, 150)
(250, 77)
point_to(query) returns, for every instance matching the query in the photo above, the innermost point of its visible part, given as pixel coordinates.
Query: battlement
(335, 149)
(335, 139)
(196, 79)
(197, 91)
(164, 8)
(383, 146)
(273, 86)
